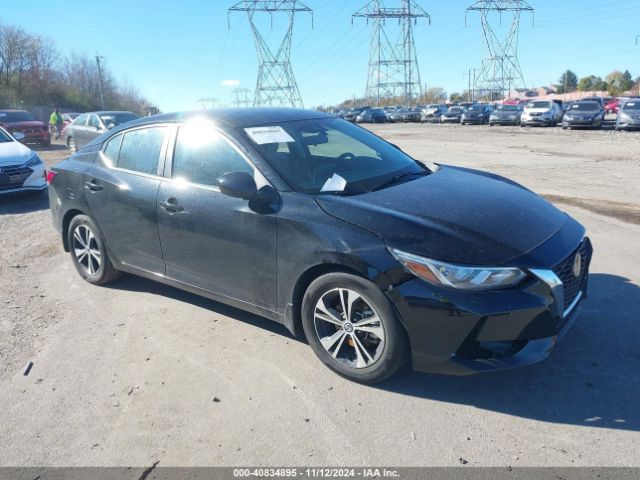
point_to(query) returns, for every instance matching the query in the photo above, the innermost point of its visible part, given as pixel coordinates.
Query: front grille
(13, 176)
(572, 284)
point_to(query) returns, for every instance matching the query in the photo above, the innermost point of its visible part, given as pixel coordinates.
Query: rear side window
(112, 149)
(204, 156)
(81, 120)
(140, 150)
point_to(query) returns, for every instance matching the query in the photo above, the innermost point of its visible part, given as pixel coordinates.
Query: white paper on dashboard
(264, 135)
(334, 184)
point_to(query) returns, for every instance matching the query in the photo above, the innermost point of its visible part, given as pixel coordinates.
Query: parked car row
(586, 113)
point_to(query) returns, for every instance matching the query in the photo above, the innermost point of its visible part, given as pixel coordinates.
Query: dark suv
(304, 218)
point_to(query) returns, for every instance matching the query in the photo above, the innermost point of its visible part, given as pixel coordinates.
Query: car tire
(71, 145)
(363, 356)
(88, 252)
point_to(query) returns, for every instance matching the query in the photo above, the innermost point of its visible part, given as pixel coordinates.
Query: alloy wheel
(349, 328)
(86, 250)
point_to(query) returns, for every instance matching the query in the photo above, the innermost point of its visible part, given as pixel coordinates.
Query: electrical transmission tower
(393, 64)
(242, 97)
(276, 85)
(500, 71)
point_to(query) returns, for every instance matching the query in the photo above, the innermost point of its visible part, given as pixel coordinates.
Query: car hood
(19, 125)
(14, 153)
(537, 110)
(455, 215)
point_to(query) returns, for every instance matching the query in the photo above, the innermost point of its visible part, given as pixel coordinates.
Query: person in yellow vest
(55, 123)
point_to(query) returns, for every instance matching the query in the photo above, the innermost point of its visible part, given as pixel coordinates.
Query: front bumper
(474, 120)
(450, 120)
(581, 123)
(546, 122)
(628, 125)
(18, 178)
(504, 120)
(462, 333)
(35, 136)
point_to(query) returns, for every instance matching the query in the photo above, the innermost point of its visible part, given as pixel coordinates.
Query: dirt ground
(127, 374)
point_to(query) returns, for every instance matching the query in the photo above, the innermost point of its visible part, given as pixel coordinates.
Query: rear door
(209, 240)
(122, 191)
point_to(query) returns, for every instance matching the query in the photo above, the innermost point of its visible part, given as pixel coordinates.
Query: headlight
(34, 161)
(458, 276)
(568, 118)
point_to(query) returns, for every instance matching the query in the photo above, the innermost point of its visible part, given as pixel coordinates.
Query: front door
(210, 240)
(122, 191)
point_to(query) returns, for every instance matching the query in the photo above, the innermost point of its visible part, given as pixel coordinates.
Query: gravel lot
(127, 374)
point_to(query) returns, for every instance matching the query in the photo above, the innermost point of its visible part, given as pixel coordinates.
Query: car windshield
(631, 106)
(4, 137)
(329, 155)
(507, 108)
(117, 118)
(540, 105)
(475, 108)
(585, 107)
(16, 117)
(456, 110)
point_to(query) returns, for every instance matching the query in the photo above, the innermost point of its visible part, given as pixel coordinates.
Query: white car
(542, 112)
(21, 169)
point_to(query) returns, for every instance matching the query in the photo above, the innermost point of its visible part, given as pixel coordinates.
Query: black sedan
(506, 115)
(583, 115)
(88, 126)
(372, 115)
(303, 218)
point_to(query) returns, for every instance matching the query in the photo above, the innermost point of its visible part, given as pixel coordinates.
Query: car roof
(237, 117)
(224, 117)
(14, 111)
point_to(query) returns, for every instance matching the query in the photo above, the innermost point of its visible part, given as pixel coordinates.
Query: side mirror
(238, 185)
(19, 136)
(111, 126)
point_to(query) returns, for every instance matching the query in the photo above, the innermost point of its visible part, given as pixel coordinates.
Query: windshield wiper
(399, 178)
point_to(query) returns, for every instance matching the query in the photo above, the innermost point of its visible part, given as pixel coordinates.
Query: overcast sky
(177, 52)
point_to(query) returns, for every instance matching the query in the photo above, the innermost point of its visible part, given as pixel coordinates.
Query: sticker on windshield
(630, 104)
(335, 184)
(265, 135)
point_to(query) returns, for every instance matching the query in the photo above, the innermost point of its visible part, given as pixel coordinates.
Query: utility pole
(500, 67)
(393, 66)
(471, 93)
(276, 84)
(98, 61)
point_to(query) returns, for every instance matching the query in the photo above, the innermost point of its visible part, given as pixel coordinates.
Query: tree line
(616, 83)
(33, 72)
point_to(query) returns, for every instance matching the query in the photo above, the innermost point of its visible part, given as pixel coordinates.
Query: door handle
(171, 205)
(93, 186)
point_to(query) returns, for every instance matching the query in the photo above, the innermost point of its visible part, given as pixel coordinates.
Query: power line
(500, 71)
(276, 84)
(393, 66)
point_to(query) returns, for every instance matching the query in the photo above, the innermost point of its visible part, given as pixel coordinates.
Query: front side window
(330, 155)
(540, 105)
(635, 106)
(140, 150)
(114, 119)
(94, 122)
(202, 156)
